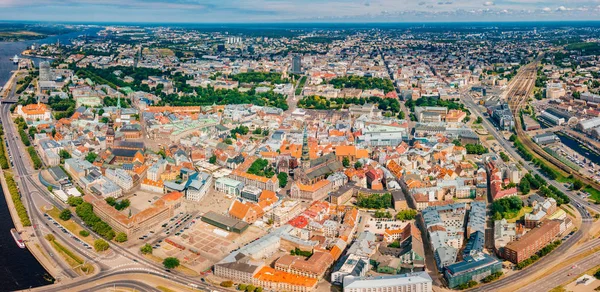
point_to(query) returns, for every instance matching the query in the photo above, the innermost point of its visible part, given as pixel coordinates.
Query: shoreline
(27, 233)
(29, 242)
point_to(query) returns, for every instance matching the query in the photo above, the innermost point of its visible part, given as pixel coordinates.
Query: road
(35, 195)
(563, 275)
(565, 246)
(391, 74)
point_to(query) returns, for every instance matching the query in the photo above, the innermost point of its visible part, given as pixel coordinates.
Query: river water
(19, 269)
(580, 149)
(10, 49)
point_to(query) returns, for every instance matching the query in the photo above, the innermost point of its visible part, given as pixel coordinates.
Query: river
(10, 49)
(588, 154)
(19, 269)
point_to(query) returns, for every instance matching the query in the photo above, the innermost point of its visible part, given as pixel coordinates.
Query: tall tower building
(297, 64)
(110, 135)
(305, 159)
(45, 74)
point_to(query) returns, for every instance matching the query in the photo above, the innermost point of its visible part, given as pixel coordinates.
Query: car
(141, 238)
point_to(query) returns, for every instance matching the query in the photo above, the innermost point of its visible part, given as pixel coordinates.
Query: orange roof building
(34, 111)
(161, 210)
(275, 280)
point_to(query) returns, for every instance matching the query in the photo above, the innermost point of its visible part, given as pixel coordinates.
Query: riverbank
(27, 233)
(8, 85)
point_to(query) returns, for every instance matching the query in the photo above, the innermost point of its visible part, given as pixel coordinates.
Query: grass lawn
(594, 193)
(181, 268)
(72, 259)
(70, 225)
(518, 216)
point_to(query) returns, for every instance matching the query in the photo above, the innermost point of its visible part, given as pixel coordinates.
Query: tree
(101, 245)
(346, 162)
(64, 154)
(404, 215)
(512, 138)
(577, 184)
(50, 237)
(242, 287)
(84, 233)
(479, 120)
(171, 263)
(91, 157)
(146, 249)
(49, 188)
(65, 214)
(213, 159)
(283, 179)
(111, 201)
(121, 237)
(250, 288)
(227, 284)
(524, 186)
(74, 201)
(357, 165)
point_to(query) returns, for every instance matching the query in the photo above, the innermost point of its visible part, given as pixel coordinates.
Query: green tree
(283, 179)
(358, 165)
(171, 263)
(213, 159)
(64, 154)
(74, 201)
(524, 186)
(577, 184)
(250, 288)
(65, 214)
(346, 162)
(91, 157)
(111, 201)
(121, 237)
(408, 214)
(84, 233)
(146, 249)
(226, 284)
(101, 245)
(479, 120)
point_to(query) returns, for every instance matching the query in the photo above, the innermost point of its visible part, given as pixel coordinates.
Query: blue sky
(228, 11)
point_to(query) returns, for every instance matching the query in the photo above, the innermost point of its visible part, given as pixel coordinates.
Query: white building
(198, 187)
(120, 177)
(413, 282)
(350, 266)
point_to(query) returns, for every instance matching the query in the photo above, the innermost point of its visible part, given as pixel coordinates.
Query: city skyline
(195, 11)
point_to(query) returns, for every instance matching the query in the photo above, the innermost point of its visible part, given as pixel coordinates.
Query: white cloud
(488, 3)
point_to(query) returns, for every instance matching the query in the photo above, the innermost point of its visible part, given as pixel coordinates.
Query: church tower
(305, 159)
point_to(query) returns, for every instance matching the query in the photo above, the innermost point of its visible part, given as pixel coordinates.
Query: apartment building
(530, 243)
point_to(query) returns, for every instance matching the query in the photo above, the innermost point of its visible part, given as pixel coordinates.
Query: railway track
(517, 96)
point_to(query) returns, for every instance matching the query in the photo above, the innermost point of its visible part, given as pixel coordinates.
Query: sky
(241, 11)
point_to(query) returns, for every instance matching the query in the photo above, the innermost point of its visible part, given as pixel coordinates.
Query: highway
(563, 249)
(563, 275)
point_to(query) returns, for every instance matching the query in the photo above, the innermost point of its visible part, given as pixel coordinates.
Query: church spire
(305, 151)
